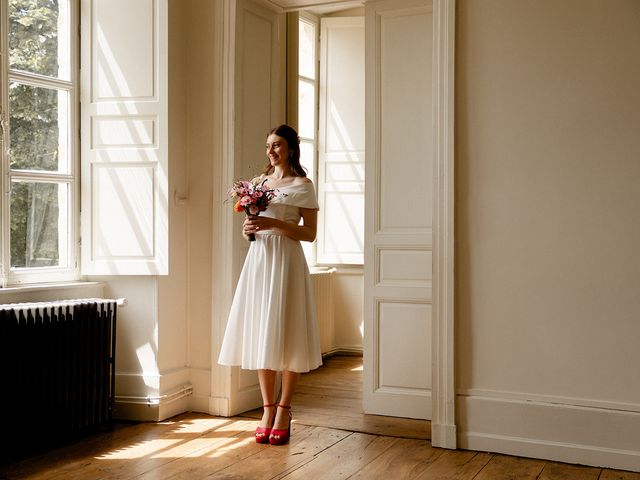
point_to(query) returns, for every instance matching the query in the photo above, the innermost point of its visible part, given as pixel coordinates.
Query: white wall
(547, 149)
(348, 291)
(137, 369)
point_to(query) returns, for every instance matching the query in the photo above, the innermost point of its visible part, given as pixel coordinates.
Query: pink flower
(252, 196)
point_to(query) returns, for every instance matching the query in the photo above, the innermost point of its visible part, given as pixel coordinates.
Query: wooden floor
(331, 439)
(331, 396)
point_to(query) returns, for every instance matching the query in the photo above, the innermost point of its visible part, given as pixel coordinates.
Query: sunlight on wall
(148, 363)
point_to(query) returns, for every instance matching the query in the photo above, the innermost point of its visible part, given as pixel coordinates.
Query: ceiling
(317, 6)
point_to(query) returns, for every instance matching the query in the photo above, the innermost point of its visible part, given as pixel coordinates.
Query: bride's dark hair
(293, 141)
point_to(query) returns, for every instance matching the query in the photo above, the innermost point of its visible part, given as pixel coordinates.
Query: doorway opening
(327, 57)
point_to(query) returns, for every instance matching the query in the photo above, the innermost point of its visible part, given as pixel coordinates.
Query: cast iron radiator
(57, 366)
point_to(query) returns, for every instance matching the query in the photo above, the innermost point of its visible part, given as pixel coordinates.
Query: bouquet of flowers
(252, 197)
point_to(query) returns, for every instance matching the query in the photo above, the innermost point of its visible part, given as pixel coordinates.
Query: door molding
(443, 425)
(223, 174)
(234, 390)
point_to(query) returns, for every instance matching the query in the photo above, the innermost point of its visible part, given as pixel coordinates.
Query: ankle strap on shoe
(270, 405)
(287, 407)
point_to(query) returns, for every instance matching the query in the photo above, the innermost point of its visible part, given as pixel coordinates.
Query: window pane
(307, 50)
(38, 126)
(39, 37)
(39, 227)
(306, 109)
(344, 228)
(306, 159)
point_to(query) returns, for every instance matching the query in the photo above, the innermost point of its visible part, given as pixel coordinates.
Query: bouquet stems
(252, 237)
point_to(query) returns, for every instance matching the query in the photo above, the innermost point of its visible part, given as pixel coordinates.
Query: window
(307, 104)
(39, 141)
(331, 125)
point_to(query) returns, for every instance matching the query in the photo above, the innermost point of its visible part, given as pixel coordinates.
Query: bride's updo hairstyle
(293, 141)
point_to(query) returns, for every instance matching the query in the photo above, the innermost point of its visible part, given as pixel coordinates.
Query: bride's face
(278, 151)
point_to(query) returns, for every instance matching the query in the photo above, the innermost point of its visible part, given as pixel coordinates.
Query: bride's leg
(289, 382)
(267, 380)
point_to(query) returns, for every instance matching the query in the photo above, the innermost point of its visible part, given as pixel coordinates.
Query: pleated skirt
(272, 322)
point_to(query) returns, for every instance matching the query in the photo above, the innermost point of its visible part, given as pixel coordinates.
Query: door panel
(398, 209)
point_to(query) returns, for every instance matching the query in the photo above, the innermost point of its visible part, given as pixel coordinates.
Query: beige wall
(348, 291)
(547, 206)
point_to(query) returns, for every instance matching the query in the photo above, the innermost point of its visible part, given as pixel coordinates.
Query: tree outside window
(38, 113)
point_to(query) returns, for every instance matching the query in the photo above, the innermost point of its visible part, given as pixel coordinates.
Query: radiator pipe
(153, 400)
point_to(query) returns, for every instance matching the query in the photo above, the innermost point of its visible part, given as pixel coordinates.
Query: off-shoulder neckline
(294, 185)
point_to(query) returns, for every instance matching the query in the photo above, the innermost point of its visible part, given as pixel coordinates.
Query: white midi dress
(272, 322)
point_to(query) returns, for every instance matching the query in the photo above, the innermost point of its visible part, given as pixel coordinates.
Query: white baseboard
(600, 437)
(136, 412)
(152, 397)
(355, 350)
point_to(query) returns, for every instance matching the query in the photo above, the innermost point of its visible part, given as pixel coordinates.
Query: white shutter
(124, 154)
(341, 141)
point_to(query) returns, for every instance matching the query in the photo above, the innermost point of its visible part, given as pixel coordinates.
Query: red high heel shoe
(281, 436)
(262, 433)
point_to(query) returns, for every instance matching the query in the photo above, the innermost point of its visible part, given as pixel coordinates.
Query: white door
(398, 208)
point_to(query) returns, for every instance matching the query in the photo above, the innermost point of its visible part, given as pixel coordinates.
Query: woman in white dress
(272, 322)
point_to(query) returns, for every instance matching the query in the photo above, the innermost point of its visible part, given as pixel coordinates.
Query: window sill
(340, 269)
(50, 291)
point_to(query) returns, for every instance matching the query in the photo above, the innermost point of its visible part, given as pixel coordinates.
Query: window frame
(14, 276)
(310, 249)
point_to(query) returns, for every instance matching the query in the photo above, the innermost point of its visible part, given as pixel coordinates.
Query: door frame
(443, 426)
(232, 389)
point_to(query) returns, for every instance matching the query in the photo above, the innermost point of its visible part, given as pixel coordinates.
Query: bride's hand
(249, 227)
(254, 223)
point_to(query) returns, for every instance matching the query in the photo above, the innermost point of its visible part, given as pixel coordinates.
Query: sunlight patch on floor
(210, 437)
(140, 450)
(235, 442)
(198, 447)
(201, 425)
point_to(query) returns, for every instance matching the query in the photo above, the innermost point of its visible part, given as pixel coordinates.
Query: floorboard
(331, 439)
